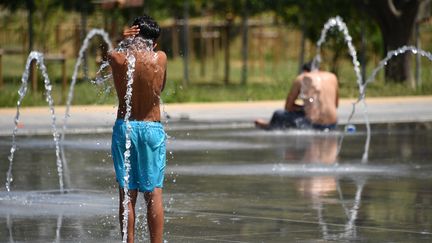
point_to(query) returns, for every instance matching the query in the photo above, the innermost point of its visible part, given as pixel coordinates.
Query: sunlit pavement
(83, 119)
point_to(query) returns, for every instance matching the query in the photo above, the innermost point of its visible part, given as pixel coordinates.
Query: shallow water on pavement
(232, 185)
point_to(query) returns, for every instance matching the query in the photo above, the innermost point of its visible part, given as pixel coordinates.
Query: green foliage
(271, 84)
(78, 5)
(311, 15)
(16, 4)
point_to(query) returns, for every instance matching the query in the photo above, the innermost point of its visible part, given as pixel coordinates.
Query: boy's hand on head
(131, 32)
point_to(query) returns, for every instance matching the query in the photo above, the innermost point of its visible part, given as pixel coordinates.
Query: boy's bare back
(149, 81)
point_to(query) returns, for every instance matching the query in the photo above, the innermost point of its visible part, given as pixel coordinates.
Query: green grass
(269, 82)
(85, 93)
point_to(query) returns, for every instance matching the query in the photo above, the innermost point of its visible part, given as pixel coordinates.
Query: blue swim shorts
(147, 154)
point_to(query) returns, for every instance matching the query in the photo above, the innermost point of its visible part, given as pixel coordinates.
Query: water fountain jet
(91, 34)
(338, 23)
(39, 59)
(84, 46)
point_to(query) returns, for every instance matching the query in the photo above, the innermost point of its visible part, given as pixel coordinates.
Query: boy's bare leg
(131, 216)
(155, 214)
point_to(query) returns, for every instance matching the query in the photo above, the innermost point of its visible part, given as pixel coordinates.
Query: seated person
(311, 104)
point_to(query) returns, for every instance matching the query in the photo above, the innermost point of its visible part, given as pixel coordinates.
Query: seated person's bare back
(319, 91)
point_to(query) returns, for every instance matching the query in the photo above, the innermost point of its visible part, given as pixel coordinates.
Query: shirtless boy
(147, 151)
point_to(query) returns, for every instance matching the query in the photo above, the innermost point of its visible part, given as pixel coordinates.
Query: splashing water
(371, 78)
(100, 77)
(338, 23)
(82, 50)
(39, 58)
(342, 27)
(130, 46)
(131, 68)
(92, 33)
(401, 50)
(381, 65)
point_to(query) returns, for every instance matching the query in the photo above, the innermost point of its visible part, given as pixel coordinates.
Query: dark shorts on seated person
(147, 154)
(283, 119)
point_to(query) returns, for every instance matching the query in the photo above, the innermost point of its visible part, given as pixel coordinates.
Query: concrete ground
(224, 185)
(88, 119)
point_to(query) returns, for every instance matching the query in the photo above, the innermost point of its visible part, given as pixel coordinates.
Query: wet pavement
(232, 184)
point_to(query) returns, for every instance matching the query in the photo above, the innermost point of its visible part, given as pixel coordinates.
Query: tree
(30, 6)
(396, 20)
(39, 18)
(229, 10)
(84, 8)
(305, 16)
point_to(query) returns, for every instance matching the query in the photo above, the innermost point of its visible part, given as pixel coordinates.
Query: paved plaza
(85, 119)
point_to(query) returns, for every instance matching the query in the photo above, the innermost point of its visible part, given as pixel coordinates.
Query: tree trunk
(245, 42)
(362, 56)
(186, 43)
(30, 9)
(83, 34)
(396, 20)
(398, 68)
(302, 46)
(227, 48)
(33, 74)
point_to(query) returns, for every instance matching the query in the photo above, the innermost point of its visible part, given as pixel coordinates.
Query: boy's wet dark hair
(307, 67)
(149, 28)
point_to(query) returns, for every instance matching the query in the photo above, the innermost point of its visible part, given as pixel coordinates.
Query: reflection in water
(313, 195)
(324, 150)
(9, 226)
(321, 150)
(58, 227)
(45, 214)
(59, 224)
